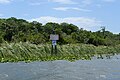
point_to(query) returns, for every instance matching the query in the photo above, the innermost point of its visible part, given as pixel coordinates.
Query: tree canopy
(16, 30)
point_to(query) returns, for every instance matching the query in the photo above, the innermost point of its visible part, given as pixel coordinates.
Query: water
(95, 69)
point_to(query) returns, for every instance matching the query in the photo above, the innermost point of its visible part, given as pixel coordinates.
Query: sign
(53, 42)
(54, 37)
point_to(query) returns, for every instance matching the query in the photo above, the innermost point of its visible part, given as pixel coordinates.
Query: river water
(95, 69)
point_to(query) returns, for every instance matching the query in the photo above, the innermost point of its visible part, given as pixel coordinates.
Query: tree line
(20, 30)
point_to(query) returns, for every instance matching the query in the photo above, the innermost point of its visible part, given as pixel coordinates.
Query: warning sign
(54, 37)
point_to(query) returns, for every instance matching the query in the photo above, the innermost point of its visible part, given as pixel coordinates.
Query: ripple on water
(96, 69)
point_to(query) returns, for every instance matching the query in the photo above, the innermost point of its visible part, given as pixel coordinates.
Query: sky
(86, 14)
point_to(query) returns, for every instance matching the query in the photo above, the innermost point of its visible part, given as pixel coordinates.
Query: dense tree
(16, 30)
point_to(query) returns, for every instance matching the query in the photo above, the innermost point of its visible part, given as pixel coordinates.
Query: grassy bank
(14, 52)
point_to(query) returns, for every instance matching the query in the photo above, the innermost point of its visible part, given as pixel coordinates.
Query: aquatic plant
(14, 52)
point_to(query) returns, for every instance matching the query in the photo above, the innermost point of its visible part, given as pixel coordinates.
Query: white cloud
(71, 8)
(63, 1)
(80, 9)
(33, 4)
(81, 22)
(61, 8)
(5, 1)
(37, 3)
(94, 3)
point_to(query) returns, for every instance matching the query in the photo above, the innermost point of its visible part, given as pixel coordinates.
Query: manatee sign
(54, 38)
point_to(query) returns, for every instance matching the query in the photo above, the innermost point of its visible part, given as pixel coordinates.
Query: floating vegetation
(14, 52)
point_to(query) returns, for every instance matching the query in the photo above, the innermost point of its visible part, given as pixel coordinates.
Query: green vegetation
(21, 40)
(13, 52)
(19, 30)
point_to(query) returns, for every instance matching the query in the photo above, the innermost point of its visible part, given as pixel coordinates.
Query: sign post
(54, 38)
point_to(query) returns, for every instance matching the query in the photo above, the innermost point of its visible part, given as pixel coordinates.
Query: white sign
(54, 37)
(53, 42)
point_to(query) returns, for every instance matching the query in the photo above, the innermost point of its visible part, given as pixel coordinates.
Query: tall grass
(13, 52)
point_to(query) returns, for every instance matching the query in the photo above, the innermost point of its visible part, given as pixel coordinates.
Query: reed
(14, 52)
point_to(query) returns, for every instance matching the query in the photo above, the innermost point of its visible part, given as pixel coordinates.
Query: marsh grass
(14, 52)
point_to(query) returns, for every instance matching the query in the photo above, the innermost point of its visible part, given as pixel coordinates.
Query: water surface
(95, 69)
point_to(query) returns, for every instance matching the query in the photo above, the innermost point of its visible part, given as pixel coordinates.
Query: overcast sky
(87, 14)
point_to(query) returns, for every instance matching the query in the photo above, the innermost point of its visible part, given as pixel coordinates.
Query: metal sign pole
(52, 50)
(56, 49)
